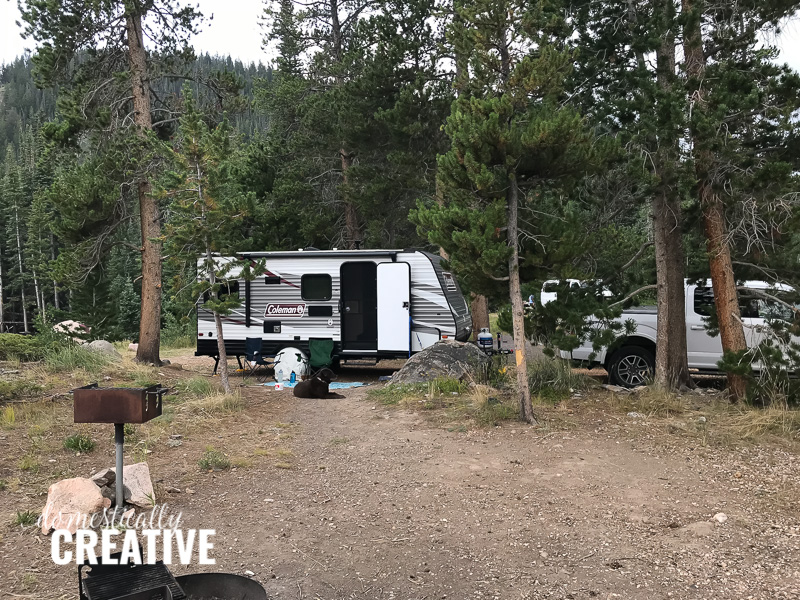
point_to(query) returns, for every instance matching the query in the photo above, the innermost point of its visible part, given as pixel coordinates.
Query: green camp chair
(321, 354)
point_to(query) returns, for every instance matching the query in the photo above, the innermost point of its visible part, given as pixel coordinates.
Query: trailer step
(359, 362)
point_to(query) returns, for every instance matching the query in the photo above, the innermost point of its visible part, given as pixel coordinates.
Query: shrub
(554, 379)
(214, 460)
(25, 518)
(9, 390)
(8, 417)
(197, 386)
(21, 347)
(79, 442)
(70, 357)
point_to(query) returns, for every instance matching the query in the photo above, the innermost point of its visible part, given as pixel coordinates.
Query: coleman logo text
(285, 310)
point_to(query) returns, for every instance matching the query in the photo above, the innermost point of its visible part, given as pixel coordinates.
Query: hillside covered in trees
(629, 144)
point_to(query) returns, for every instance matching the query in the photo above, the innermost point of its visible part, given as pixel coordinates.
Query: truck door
(394, 307)
(703, 350)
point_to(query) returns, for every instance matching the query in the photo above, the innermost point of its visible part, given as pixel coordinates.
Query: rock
(172, 490)
(445, 359)
(70, 502)
(138, 485)
(720, 517)
(133, 347)
(701, 420)
(104, 347)
(636, 415)
(699, 528)
(128, 514)
(104, 477)
(615, 388)
(249, 573)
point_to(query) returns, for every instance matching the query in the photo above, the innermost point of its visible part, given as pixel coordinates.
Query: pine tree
(513, 138)
(95, 51)
(207, 211)
(742, 115)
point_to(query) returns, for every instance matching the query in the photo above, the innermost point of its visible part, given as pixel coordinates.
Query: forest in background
(631, 142)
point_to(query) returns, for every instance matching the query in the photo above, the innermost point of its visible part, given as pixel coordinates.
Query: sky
(235, 30)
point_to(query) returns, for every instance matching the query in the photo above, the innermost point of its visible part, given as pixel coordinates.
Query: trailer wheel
(631, 366)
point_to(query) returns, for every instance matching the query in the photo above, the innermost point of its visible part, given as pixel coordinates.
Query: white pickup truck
(631, 359)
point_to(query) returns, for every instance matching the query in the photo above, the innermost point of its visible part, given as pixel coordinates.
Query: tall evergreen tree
(514, 139)
(207, 211)
(95, 51)
(741, 110)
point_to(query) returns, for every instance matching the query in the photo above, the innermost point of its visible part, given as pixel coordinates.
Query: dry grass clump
(214, 405)
(653, 400)
(755, 424)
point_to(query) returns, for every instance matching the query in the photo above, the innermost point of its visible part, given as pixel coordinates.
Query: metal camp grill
(93, 404)
(129, 582)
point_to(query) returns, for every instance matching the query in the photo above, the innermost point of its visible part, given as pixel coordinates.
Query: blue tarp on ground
(336, 385)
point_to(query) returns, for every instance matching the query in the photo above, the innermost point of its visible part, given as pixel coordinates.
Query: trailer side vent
(272, 280)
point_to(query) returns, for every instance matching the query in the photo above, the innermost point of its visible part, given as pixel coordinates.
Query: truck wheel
(631, 366)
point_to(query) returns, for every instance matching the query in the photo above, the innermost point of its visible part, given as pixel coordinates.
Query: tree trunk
(479, 307)
(56, 303)
(517, 309)
(352, 227)
(672, 368)
(2, 294)
(222, 367)
(21, 271)
(150, 320)
(726, 298)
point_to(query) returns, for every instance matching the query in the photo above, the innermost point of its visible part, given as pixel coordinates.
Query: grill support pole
(119, 442)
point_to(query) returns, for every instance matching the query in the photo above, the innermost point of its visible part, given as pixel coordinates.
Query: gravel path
(380, 505)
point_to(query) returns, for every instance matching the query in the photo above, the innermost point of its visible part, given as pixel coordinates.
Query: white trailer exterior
(373, 304)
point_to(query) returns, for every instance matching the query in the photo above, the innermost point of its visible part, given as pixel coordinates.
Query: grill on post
(93, 404)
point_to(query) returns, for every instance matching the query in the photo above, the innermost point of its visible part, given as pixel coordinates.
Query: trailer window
(226, 289)
(316, 287)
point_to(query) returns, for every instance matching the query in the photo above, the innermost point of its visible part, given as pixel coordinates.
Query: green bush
(79, 442)
(554, 379)
(214, 460)
(26, 518)
(9, 390)
(70, 356)
(21, 347)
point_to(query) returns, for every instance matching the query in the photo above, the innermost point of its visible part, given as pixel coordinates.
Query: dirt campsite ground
(354, 499)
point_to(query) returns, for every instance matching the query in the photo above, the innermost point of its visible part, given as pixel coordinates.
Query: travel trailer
(373, 304)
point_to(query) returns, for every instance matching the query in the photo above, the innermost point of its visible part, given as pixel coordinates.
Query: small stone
(128, 514)
(104, 477)
(636, 415)
(249, 573)
(176, 436)
(720, 517)
(189, 491)
(701, 420)
(172, 490)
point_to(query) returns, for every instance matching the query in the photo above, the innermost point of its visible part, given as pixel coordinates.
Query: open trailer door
(394, 307)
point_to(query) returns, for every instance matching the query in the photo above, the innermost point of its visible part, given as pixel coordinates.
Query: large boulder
(70, 504)
(137, 485)
(446, 359)
(104, 347)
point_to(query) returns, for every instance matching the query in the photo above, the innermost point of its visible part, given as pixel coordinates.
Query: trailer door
(394, 307)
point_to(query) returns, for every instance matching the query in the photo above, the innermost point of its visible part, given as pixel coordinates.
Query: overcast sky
(235, 30)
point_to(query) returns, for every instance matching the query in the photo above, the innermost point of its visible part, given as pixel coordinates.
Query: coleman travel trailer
(373, 304)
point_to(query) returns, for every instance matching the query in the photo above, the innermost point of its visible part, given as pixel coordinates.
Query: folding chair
(321, 354)
(254, 363)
